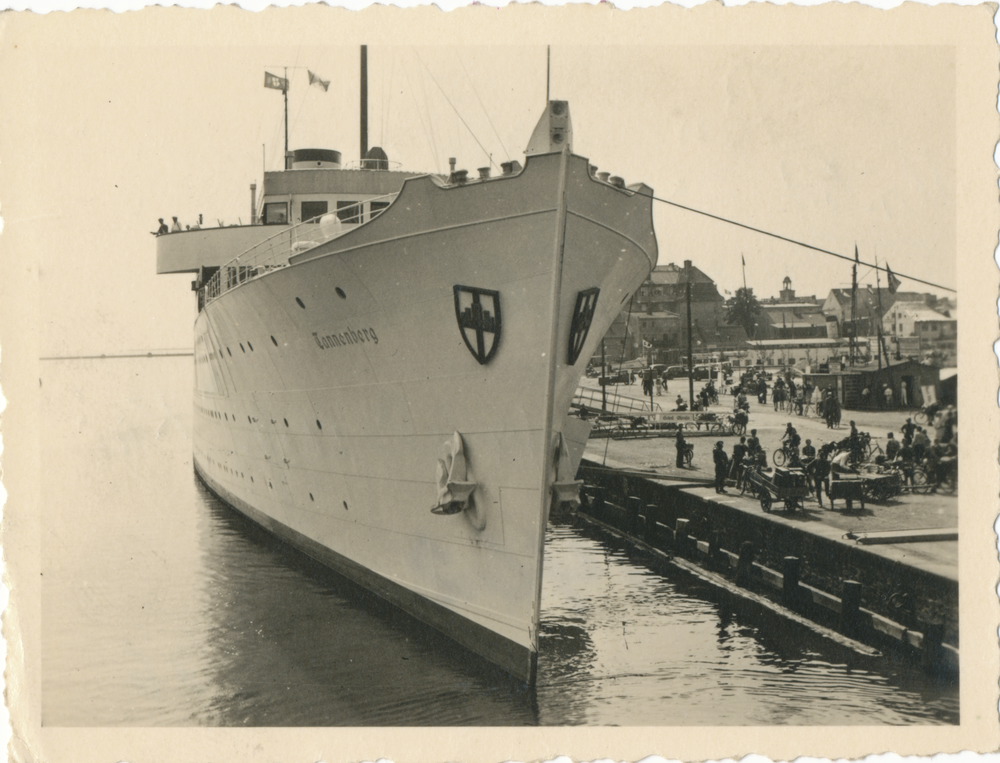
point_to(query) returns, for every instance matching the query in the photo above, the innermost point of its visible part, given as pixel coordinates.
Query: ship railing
(277, 250)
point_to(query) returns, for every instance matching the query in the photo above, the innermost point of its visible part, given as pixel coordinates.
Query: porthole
(230, 352)
(270, 485)
(301, 303)
(226, 415)
(251, 478)
(249, 345)
(340, 293)
(249, 420)
(286, 422)
(274, 340)
(318, 424)
(345, 506)
(311, 497)
(241, 347)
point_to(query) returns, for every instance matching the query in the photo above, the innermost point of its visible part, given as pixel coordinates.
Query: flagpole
(854, 304)
(284, 91)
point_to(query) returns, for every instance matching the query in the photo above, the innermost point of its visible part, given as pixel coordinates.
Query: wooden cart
(788, 485)
(850, 489)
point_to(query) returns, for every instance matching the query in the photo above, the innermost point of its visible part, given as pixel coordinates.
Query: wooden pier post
(651, 530)
(681, 536)
(930, 651)
(632, 515)
(744, 565)
(790, 581)
(850, 602)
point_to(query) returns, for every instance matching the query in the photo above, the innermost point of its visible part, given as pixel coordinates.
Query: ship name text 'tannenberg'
(350, 336)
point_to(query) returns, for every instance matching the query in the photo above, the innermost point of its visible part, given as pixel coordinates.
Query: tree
(743, 311)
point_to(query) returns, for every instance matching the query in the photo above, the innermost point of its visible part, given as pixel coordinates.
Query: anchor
(454, 489)
(564, 491)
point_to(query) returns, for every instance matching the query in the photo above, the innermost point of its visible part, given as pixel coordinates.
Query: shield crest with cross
(583, 315)
(478, 314)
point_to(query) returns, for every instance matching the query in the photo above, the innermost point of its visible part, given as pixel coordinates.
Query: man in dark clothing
(736, 468)
(908, 429)
(681, 445)
(753, 443)
(891, 448)
(721, 467)
(808, 452)
(819, 470)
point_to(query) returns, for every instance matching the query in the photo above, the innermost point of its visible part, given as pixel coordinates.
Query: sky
(127, 118)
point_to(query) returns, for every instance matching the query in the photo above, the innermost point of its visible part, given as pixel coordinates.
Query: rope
(790, 240)
(431, 75)
(483, 106)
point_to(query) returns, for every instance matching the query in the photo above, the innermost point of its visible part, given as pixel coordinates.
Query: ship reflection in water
(162, 606)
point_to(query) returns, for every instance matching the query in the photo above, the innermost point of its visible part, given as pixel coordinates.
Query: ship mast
(364, 103)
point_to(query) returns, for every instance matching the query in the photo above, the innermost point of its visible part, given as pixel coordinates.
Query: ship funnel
(315, 158)
(553, 132)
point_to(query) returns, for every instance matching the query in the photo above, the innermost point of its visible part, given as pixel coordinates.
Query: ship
(385, 361)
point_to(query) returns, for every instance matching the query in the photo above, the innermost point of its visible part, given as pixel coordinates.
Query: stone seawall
(894, 599)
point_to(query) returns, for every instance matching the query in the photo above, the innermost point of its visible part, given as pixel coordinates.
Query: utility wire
(790, 240)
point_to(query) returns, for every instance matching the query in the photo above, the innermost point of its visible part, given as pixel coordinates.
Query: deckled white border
(46, 6)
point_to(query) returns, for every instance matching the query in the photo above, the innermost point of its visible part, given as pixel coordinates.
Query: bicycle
(926, 414)
(687, 455)
(786, 452)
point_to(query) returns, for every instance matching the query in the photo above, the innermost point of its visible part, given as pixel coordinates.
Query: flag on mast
(275, 82)
(894, 283)
(314, 79)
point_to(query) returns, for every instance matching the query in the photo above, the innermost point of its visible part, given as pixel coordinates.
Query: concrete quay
(903, 552)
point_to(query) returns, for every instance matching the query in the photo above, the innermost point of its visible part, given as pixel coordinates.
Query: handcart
(881, 484)
(851, 489)
(788, 485)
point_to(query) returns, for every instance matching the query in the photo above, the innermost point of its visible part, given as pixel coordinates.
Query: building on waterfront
(860, 316)
(790, 317)
(658, 316)
(923, 382)
(912, 328)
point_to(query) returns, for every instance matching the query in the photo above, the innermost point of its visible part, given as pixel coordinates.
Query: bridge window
(377, 207)
(349, 211)
(276, 213)
(313, 210)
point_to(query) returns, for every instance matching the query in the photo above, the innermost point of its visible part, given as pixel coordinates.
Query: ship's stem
(547, 450)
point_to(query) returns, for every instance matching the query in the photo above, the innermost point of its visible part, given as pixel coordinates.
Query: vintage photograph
(394, 370)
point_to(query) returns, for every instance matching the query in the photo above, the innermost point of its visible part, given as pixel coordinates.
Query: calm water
(161, 606)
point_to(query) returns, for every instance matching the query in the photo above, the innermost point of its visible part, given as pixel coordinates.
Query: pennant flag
(894, 283)
(275, 82)
(315, 80)
(744, 260)
(856, 254)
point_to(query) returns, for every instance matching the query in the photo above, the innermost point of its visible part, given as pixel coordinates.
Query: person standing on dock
(721, 466)
(736, 463)
(681, 445)
(819, 470)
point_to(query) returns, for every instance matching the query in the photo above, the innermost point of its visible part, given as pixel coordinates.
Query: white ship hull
(327, 390)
